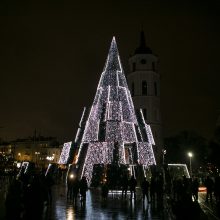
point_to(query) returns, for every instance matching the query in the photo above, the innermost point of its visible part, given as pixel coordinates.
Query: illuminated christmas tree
(111, 131)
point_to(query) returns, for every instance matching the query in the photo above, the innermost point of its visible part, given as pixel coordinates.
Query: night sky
(52, 55)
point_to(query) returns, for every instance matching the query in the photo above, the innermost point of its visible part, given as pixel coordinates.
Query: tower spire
(143, 49)
(142, 39)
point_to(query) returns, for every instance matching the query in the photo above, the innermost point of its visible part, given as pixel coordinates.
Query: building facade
(40, 150)
(144, 83)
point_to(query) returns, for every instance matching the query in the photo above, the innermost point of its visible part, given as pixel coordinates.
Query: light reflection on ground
(70, 213)
(95, 208)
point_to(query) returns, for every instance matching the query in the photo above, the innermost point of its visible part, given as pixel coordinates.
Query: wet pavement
(95, 208)
(209, 208)
(114, 208)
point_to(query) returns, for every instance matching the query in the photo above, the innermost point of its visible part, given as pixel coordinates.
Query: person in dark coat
(75, 189)
(49, 182)
(209, 184)
(69, 186)
(124, 185)
(13, 202)
(153, 187)
(34, 200)
(83, 187)
(105, 190)
(217, 189)
(132, 185)
(145, 189)
(195, 188)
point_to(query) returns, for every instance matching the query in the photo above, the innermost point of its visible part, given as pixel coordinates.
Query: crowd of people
(151, 190)
(212, 187)
(76, 187)
(183, 193)
(28, 194)
(187, 187)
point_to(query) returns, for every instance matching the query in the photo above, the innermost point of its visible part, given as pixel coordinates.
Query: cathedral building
(144, 83)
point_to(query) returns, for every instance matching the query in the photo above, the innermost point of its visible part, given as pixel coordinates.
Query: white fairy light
(150, 135)
(48, 168)
(146, 157)
(83, 114)
(148, 130)
(179, 165)
(65, 153)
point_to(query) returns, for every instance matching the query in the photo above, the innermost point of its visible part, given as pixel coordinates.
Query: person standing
(153, 189)
(49, 181)
(132, 185)
(13, 201)
(75, 189)
(195, 188)
(124, 186)
(105, 190)
(83, 187)
(217, 189)
(209, 187)
(145, 190)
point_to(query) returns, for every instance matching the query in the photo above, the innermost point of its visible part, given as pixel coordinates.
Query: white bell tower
(144, 83)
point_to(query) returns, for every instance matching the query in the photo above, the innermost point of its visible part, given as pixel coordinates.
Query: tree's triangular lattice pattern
(113, 123)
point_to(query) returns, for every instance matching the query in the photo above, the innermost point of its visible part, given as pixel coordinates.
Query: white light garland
(65, 153)
(185, 169)
(148, 130)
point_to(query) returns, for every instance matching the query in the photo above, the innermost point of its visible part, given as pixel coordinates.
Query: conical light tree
(113, 131)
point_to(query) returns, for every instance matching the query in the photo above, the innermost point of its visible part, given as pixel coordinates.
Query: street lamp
(163, 152)
(190, 164)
